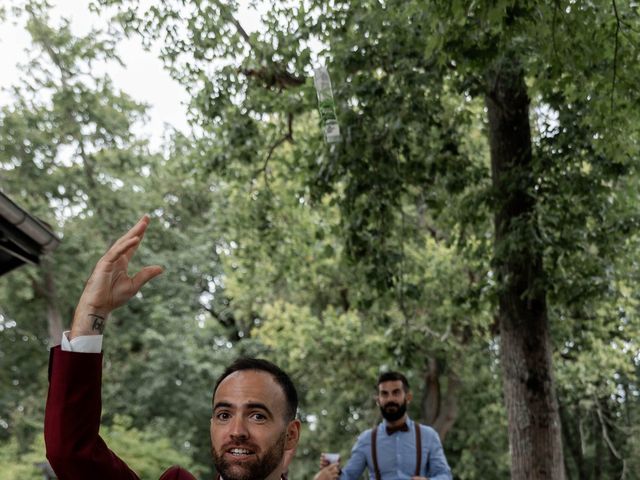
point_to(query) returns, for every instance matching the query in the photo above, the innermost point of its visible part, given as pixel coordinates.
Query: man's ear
(409, 396)
(293, 434)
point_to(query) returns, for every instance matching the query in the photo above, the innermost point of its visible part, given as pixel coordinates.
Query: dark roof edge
(35, 229)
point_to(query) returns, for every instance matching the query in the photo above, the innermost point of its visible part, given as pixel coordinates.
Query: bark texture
(534, 423)
(440, 409)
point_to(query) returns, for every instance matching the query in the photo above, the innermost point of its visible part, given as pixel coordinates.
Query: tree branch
(449, 413)
(605, 435)
(431, 401)
(232, 19)
(615, 53)
(38, 288)
(225, 320)
(242, 32)
(286, 137)
(275, 76)
(553, 29)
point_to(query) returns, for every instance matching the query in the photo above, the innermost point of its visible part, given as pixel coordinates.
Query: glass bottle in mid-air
(326, 105)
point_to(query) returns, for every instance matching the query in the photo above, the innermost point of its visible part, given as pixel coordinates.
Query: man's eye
(223, 416)
(259, 417)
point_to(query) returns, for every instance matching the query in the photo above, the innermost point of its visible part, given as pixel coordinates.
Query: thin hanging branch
(287, 137)
(605, 435)
(271, 76)
(242, 32)
(224, 9)
(615, 53)
(553, 29)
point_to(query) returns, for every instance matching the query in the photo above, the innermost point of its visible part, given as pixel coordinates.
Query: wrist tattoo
(98, 323)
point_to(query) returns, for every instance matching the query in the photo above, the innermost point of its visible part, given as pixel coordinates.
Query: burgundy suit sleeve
(177, 473)
(72, 420)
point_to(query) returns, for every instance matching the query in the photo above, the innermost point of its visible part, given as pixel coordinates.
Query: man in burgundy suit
(253, 430)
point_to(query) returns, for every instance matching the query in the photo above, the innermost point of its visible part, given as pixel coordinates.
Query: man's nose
(238, 429)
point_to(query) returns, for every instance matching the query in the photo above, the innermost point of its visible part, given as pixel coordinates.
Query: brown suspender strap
(418, 448)
(374, 453)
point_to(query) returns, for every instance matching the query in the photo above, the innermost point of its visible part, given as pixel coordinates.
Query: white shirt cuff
(83, 343)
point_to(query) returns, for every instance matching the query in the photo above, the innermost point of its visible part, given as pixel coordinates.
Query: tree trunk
(599, 455)
(54, 318)
(430, 404)
(534, 424)
(572, 438)
(46, 289)
(437, 411)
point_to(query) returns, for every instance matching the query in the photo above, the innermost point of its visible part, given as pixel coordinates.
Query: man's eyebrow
(259, 405)
(250, 405)
(222, 405)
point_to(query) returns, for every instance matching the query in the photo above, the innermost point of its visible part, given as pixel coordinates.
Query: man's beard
(257, 469)
(395, 413)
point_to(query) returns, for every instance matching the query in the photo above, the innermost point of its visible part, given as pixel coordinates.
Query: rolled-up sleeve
(437, 466)
(358, 461)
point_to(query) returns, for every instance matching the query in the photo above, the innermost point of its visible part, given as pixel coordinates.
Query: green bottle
(326, 105)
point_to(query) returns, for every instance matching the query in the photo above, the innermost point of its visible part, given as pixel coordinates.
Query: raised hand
(110, 286)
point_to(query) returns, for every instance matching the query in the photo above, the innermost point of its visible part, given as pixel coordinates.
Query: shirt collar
(385, 423)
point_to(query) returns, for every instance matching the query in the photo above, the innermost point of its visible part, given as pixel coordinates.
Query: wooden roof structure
(23, 237)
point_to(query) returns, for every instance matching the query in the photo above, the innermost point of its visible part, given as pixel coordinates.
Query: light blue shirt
(397, 455)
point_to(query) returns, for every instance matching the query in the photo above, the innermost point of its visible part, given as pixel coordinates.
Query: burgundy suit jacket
(72, 420)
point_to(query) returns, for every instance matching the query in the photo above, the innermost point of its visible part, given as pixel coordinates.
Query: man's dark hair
(279, 375)
(392, 377)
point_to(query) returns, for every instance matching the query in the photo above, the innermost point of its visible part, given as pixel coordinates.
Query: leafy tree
(68, 155)
(18, 463)
(409, 79)
(418, 243)
(62, 138)
(145, 451)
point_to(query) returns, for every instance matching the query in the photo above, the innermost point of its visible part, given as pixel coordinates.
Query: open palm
(110, 285)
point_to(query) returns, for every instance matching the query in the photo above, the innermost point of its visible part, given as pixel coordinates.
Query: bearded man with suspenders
(396, 449)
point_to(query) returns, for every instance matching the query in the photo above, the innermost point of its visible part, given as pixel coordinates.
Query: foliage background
(335, 262)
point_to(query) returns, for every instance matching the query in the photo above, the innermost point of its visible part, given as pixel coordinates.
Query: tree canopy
(480, 214)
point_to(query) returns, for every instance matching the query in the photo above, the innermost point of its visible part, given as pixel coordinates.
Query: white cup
(332, 457)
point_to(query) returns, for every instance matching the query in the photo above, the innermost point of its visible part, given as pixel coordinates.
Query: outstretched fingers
(140, 229)
(128, 243)
(120, 248)
(144, 275)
